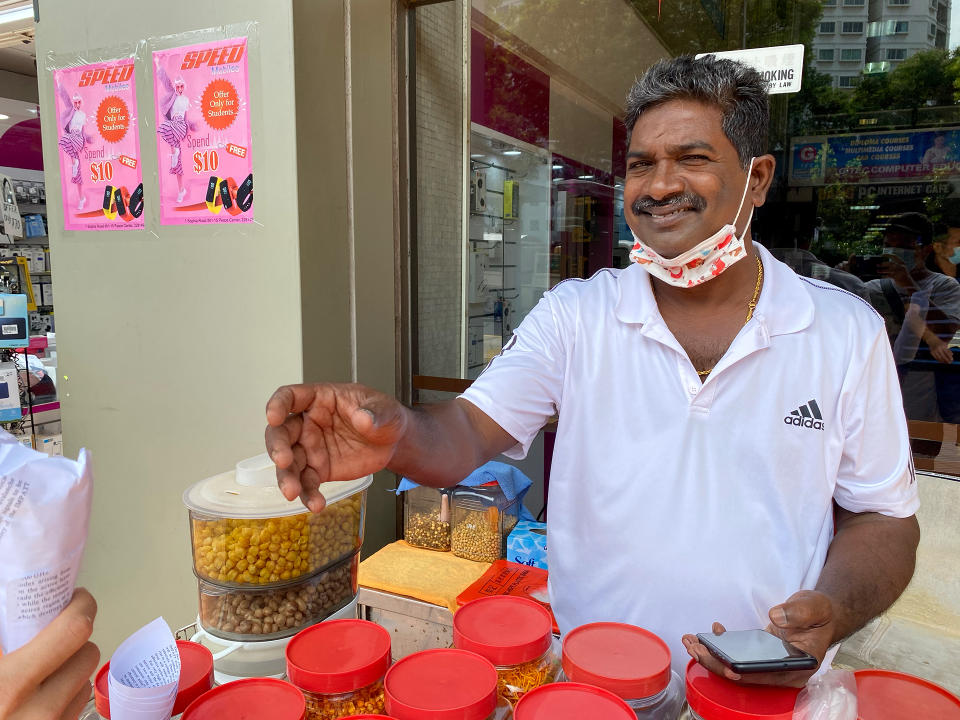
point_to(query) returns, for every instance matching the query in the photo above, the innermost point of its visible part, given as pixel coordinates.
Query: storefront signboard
(877, 157)
(780, 66)
(101, 176)
(202, 100)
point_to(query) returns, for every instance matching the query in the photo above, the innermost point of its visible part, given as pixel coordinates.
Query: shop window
(853, 3)
(898, 2)
(829, 3)
(518, 158)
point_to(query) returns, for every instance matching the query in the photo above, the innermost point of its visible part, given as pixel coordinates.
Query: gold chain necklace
(751, 306)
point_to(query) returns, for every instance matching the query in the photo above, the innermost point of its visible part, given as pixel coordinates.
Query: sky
(954, 24)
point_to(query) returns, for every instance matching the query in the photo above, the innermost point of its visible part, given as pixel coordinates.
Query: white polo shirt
(674, 504)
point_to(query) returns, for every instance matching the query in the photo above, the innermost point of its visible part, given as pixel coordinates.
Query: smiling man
(730, 446)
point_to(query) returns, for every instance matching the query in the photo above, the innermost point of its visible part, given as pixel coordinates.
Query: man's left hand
(805, 620)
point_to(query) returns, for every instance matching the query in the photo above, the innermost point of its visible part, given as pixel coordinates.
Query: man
(712, 407)
(922, 314)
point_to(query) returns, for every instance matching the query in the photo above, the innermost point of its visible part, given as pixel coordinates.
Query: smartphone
(754, 651)
(866, 267)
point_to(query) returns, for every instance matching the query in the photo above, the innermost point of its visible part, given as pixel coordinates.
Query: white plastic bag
(44, 519)
(829, 696)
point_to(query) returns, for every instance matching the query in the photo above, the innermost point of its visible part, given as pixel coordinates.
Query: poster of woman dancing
(201, 94)
(99, 146)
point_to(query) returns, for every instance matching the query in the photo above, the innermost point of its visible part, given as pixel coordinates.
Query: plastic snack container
(244, 533)
(889, 695)
(630, 662)
(196, 678)
(426, 518)
(339, 666)
(482, 520)
(711, 697)
(516, 635)
(444, 684)
(571, 701)
(281, 612)
(249, 698)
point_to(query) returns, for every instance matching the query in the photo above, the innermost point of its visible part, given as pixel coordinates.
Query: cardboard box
(46, 289)
(527, 544)
(36, 260)
(52, 445)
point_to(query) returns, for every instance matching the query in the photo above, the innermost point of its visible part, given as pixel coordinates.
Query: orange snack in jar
(339, 666)
(513, 633)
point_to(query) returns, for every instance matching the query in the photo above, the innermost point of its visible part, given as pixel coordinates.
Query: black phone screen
(755, 646)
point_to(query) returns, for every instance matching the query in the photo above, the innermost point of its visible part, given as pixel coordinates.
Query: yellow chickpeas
(244, 551)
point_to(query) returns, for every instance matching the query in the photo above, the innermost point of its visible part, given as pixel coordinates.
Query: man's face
(683, 177)
(76, 103)
(894, 237)
(179, 88)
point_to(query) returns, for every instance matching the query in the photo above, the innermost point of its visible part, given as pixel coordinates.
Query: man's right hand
(326, 432)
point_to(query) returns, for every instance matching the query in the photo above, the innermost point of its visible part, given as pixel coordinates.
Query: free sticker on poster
(99, 147)
(201, 93)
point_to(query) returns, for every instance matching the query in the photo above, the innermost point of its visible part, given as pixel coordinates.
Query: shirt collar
(784, 306)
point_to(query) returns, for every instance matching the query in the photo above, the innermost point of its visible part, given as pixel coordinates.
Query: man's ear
(761, 178)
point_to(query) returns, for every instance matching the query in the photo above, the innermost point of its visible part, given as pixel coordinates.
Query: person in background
(49, 677)
(805, 263)
(938, 153)
(725, 448)
(946, 249)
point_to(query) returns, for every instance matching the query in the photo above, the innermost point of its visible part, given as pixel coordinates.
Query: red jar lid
(249, 698)
(444, 684)
(196, 677)
(338, 656)
(629, 661)
(505, 630)
(714, 697)
(571, 701)
(889, 695)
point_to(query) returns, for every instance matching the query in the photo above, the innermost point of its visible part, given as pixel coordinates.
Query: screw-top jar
(482, 519)
(426, 517)
(571, 701)
(248, 698)
(246, 534)
(445, 684)
(513, 633)
(196, 678)
(711, 697)
(339, 666)
(630, 662)
(889, 695)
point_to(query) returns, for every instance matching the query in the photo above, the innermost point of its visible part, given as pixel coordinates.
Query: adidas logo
(807, 416)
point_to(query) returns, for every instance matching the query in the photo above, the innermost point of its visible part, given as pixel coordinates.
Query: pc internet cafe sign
(780, 66)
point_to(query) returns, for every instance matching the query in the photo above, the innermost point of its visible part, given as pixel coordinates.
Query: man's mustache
(688, 200)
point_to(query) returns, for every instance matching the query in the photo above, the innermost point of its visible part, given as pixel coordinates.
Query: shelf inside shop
(31, 208)
(505, 242)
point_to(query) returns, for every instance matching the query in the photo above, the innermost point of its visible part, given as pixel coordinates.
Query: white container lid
(251, 491)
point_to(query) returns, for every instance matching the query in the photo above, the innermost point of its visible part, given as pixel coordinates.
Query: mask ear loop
(746, 187)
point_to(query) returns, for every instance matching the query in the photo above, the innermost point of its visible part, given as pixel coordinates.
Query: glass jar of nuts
(234, 614)
(426, 517)
(444, 684)
(483, 517)
(244, 533)
(339, 666)
(516, 635)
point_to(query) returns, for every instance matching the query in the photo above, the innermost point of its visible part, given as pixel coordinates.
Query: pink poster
(99, 147)
(202, 98)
